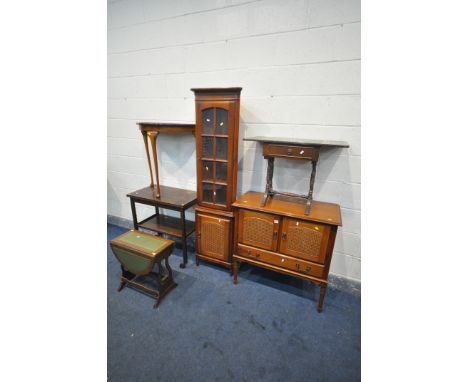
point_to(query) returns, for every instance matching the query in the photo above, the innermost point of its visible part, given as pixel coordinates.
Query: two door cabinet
(279, 237)
(216, 131)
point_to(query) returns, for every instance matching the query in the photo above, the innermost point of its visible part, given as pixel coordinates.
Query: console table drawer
(289, 151)
(282, 261)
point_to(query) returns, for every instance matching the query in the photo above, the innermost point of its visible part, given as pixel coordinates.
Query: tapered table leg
(323, 288)
(145, 140)
(153, 136)
(134, 215)
(235, 270)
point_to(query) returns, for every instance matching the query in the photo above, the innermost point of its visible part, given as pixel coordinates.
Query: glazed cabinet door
(304, 239)
(213, 236)
(214, 154)
(258, 229)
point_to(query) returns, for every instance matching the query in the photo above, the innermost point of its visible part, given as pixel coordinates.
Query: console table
(173, 199)
(151, 130)
(156, 195)
(292, 148)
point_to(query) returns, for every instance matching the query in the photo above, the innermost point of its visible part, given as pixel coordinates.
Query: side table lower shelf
(167, 224)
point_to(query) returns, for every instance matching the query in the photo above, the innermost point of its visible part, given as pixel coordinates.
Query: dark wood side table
(292, 148)
(172, 198)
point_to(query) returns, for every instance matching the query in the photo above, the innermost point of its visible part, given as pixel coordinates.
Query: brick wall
(298, 62)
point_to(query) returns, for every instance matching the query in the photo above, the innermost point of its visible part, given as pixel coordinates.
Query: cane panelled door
(258, 229)
(213, 236)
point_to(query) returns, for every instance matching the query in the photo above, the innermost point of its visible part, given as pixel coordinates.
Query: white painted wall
(298, 62)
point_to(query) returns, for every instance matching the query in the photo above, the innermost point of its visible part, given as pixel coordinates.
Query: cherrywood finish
(163, 277)
(171, 198)
(279, 237)
(258, 229)
(213, 236)
(303, 149)
(290, 151)
(321, 212)
(150, 130)
(217, 132)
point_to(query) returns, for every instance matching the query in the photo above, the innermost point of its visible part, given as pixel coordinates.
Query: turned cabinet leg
(235, 270)
(323, 288)
(197, 262)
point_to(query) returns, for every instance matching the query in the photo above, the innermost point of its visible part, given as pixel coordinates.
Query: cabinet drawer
(282, 261)
(289, 151)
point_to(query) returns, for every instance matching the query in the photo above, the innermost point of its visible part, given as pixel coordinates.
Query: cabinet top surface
(169, 196)
(298, 141)
(322, 212)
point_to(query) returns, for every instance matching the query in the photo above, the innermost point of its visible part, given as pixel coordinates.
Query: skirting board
(339, 282)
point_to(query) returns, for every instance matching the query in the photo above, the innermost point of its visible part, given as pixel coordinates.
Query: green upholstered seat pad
(146, 243)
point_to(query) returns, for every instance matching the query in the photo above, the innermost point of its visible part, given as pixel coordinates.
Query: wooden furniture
(217, 130)
(173, 199)
(302, 149)
(137, 253)
(150, 130)
(279, 237)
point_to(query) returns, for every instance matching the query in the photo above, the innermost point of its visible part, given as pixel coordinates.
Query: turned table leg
(311, 188)
(323, 288)
(269, 181)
